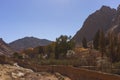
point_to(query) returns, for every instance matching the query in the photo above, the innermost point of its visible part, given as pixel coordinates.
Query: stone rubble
(9, 72)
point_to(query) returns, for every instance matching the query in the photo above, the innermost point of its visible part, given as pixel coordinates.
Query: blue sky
(46, 18)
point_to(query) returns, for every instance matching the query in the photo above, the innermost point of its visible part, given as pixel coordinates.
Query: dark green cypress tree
(84, 42)
(96, 40)
(118, 50)
(102, 43)
(112, 47)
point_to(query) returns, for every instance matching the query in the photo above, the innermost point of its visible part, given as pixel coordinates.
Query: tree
(41, 49)
(118, 50)
(84, 42)
(50, 50)
(102, 42)
(96, 40)
(111, 48)
(17, 55)
(63, 44)
(57, 52)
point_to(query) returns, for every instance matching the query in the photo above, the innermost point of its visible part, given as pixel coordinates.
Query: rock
(15, 64)
(5, 48)
(9, 72)
(101, 19)
(59, 76)
(17, 75)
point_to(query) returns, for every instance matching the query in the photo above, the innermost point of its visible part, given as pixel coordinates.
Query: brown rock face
(101, 19)
(5, 49)
(116, 22)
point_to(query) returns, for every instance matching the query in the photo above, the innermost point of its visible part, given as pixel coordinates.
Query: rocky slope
(9, 72)
(28, 42)
(116, 22)
(5, 49)
(101, 19)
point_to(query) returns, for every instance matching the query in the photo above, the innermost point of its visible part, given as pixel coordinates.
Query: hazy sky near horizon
(46, 19)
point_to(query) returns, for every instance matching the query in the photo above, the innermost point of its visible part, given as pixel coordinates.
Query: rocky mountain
(115, 25)
(101, 19)
(5, 49)
(28, 42)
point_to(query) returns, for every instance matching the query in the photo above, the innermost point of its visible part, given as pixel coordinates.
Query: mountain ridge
(116, 22)
(100, 19)
(28, 42)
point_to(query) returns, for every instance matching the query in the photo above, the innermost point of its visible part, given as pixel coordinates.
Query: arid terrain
(52, 40)
(9, 72)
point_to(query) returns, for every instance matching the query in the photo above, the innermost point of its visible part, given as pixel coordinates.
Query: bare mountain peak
(28, 42)
(115, 25)
(102, 18)
(118, 11)
(105, 8)
(118, 8)
(1, 40)
(29, 37)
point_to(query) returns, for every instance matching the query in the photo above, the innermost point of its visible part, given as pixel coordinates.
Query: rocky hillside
(28, 42)
(101, 19)
(116, 22)
(5, 49)
(9, 72)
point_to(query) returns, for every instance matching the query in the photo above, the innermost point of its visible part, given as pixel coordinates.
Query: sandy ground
(9, 72)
